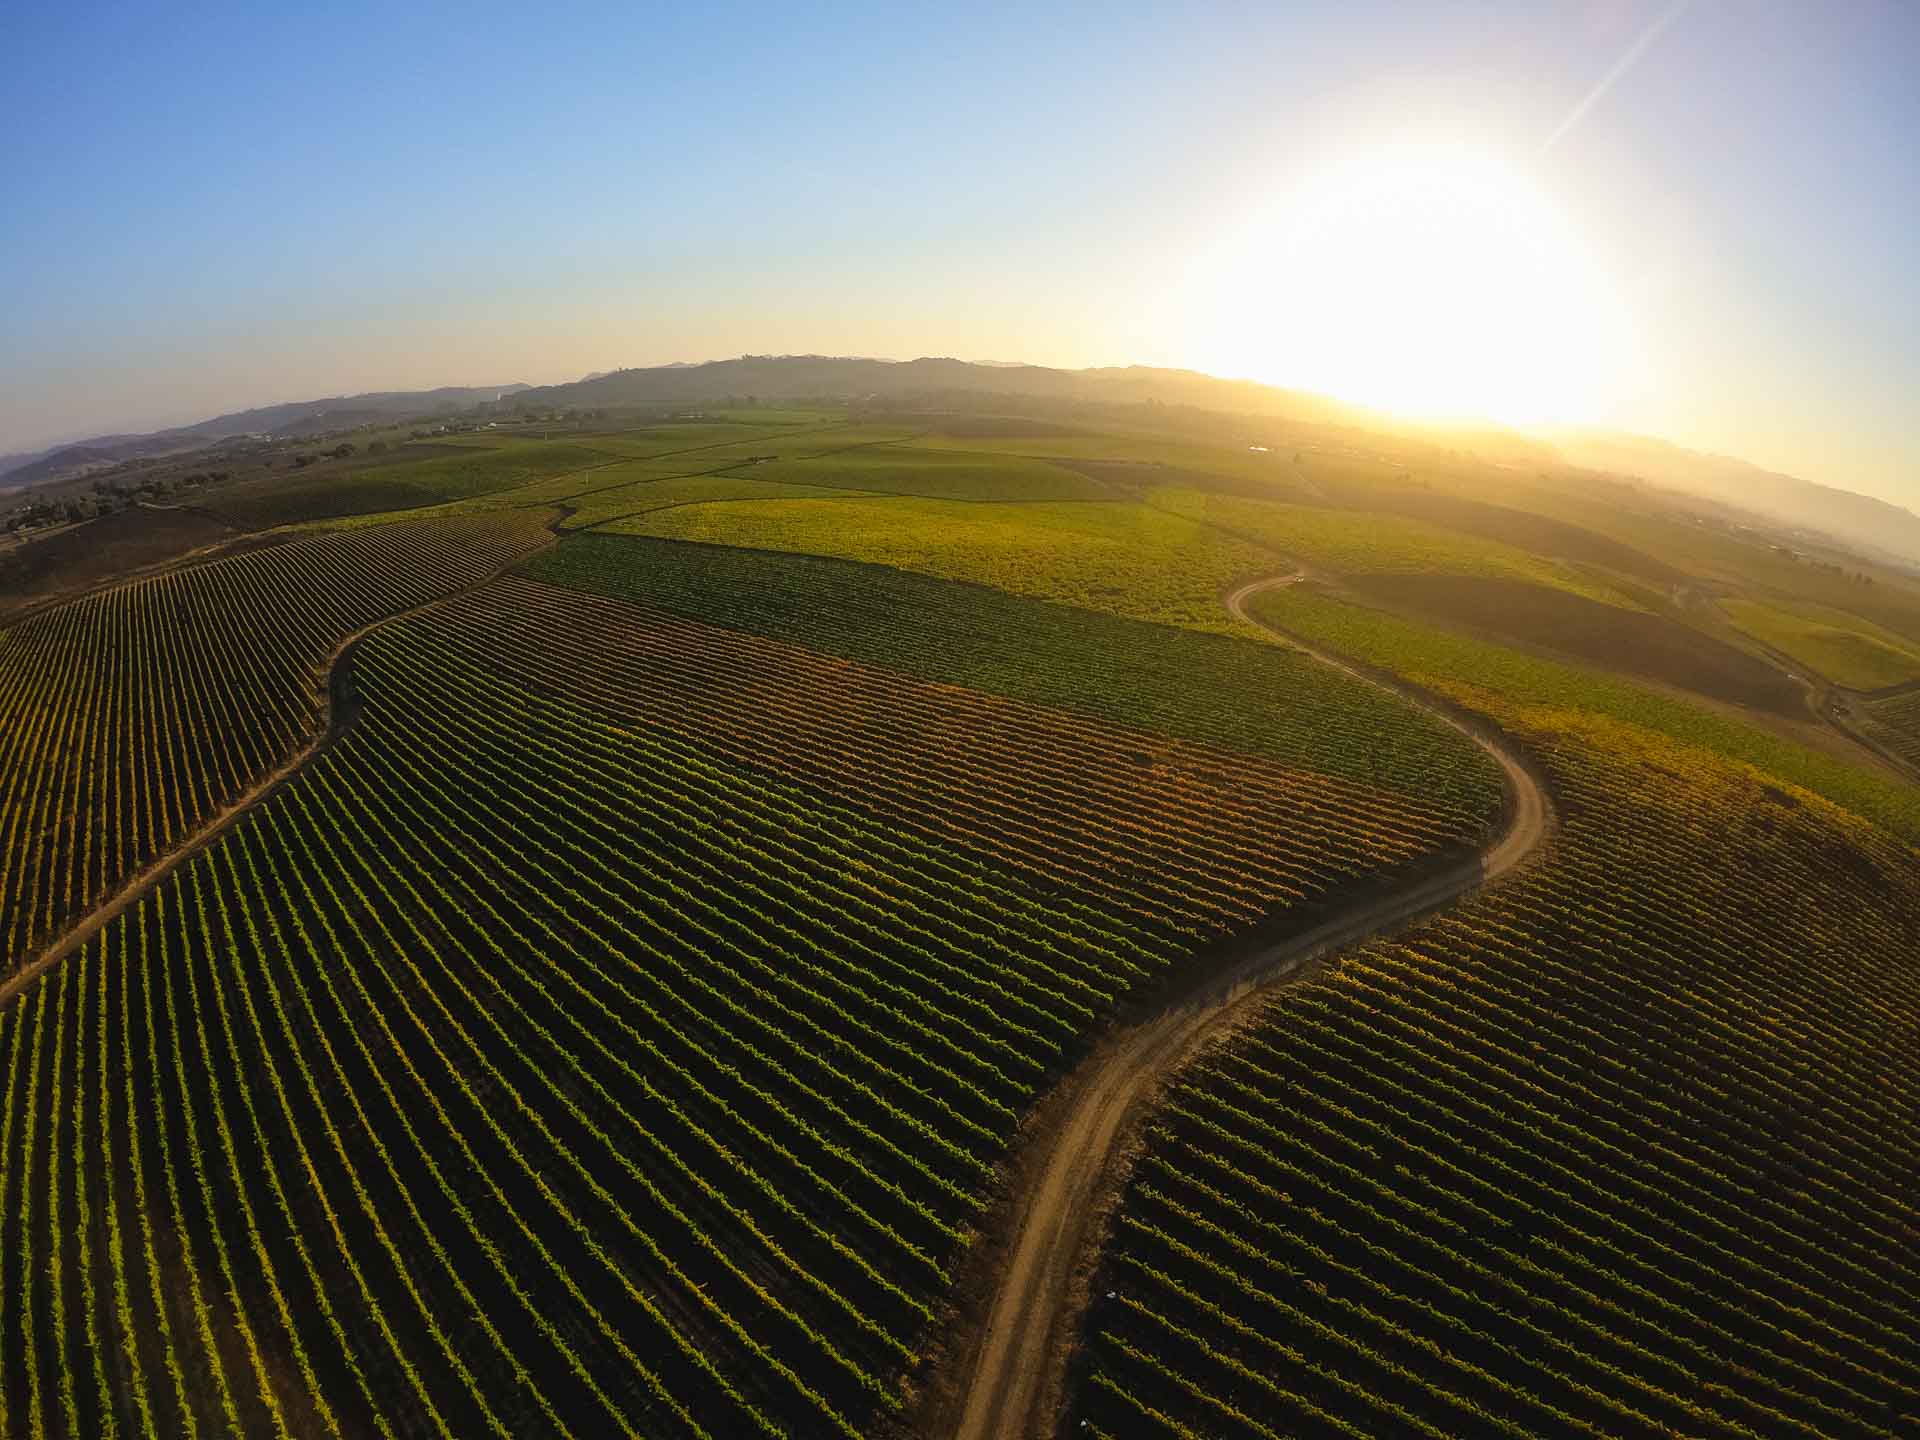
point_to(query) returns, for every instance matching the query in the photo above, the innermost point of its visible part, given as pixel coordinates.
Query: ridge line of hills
(1855, 519)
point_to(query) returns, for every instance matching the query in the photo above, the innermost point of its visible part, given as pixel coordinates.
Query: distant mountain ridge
(1852, 518)
(293, 417)
(859, 379)
(1859, 520)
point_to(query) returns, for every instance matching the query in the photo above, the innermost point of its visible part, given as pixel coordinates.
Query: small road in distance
(341, 711)
(1017, 1365)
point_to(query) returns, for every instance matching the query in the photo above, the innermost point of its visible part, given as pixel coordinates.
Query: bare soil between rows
(1001, 1371)
(341, 712)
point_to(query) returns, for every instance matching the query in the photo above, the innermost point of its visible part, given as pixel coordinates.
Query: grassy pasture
(1836, 646)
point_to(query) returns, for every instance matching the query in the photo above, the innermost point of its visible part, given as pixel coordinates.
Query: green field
(131, 718)
(1128, 559)
(1472, 669)
(633, 1018)
(404, 485)
(618, 1029)
(1835, 646)
(1344, 543)
(937, 475)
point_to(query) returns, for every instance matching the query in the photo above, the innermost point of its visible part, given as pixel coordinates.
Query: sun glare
(1429, 281)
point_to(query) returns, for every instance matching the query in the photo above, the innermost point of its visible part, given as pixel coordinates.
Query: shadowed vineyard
(615, 1032)
(1896, 720)
(130, 718)
(1626, 1148)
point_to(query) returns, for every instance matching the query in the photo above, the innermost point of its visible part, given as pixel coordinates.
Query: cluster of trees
(338, 452)
(107, 495)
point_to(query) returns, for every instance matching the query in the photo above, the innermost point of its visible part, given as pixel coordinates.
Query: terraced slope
(131, 717)
(1625, 1148)
(613, 1033)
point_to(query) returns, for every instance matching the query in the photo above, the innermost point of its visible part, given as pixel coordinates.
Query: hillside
(1860, 520)
(293, 418)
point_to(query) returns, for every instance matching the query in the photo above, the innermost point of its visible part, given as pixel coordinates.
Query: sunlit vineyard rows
(1625, 1148)
(614, 1033)
(131, 717)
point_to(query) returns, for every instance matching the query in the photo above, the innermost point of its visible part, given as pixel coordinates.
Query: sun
(1427, 280)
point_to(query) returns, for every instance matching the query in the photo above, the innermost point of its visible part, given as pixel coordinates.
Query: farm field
(134, 716)
(1835, 646)
(1656, 647)
(722, 850)
(1551, 1164)
(668, 771)
(1214, 690)
(1126, 558)
(615, 1031)
(406, 485)
(1468, 669)
(1385, 544)
(937, 475)
(1896, 719)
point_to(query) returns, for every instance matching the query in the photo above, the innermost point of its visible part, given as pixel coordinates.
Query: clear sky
(211, 205)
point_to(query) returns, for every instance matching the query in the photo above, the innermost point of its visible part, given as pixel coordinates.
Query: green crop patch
(625, 510)
(405, 485)
(1652, 647)
(181, 691)
(937, 474)
(1471, 669)
(1246, 695)
(1832, 644)
(1376, 543)
(1128, 559)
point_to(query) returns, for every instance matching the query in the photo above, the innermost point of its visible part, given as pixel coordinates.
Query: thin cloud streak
(1620, 67)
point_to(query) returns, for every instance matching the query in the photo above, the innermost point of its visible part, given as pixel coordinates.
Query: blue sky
(214, 205)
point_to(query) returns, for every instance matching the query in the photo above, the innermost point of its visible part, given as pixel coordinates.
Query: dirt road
(339, 719)
(1017, 1363)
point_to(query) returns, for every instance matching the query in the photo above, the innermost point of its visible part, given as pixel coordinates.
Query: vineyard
(133, 716)
(1896, 720)
(616, 1030)
(1126, 558)
(1257, 698)
(1624, 1148)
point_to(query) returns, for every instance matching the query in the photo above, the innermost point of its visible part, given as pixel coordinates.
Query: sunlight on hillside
(1428, 280)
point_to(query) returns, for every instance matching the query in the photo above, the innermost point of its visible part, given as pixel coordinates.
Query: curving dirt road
(1018, 1363)
(341, 710)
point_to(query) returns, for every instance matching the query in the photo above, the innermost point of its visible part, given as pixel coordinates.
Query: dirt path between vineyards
(342, 710)
(1013, 1352)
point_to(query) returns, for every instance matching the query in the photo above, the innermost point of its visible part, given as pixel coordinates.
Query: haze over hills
(336, 412)
(1846, 515)
(1851, 518)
